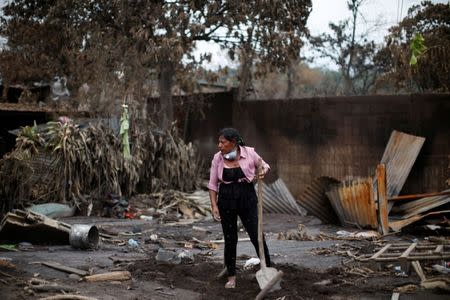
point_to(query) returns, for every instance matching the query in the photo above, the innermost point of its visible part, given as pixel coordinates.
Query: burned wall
(205, 122)
(338, 136)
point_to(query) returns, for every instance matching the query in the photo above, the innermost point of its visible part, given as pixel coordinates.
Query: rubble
(32, 227)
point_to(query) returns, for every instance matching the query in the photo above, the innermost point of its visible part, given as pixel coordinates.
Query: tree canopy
(127, 44)
(431, 22)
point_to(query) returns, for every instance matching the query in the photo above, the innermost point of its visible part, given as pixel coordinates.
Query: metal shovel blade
(264, 275)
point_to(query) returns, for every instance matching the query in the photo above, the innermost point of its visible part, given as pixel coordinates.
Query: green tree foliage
(124, 46)
(416, 55)
(418, 48)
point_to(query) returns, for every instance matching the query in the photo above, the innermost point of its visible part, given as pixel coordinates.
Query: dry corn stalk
(80, 161)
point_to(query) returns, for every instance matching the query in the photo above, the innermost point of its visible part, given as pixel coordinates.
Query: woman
(232, 194)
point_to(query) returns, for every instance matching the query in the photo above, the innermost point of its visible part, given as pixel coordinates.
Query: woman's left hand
(260, 175)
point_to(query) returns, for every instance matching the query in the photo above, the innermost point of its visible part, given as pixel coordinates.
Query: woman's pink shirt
(248, 162)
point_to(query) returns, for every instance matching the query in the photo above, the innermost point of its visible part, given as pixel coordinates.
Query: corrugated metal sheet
(278, 199)
(420, 206)
(316, 202)
(399, 156)
(354, 202)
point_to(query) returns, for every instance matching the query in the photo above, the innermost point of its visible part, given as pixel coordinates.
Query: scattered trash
(32, 227)
(441, 269)
(299, 234)
(361, 234)
(115, 206)
(146, 218)
(8, 247)
(168, 256)
(186, 256)
(153, 237)
(133, 243)
(324, 282)
(399, 272)
(25, 246)
(252, 262)
(53, 210)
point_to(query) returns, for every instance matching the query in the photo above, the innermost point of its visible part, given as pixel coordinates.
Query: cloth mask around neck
(231, 155)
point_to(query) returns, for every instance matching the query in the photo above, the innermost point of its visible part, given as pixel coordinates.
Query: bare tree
(352, 54)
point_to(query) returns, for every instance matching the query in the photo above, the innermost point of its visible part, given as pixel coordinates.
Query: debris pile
(369, 202)
(65, 162)
(173, 203)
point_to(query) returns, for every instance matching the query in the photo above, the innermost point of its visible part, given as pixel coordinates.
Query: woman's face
(225, 146)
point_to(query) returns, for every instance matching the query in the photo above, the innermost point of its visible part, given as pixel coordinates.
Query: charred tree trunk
(245, 75)
(166, 75)
(290, 80)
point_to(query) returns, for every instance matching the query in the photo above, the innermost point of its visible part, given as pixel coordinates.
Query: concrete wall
(338, 136)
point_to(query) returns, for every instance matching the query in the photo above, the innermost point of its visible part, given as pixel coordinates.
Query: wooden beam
(439, 249)
(416, 196)
(408, 251)
(59, 267)
(418, 268)
(381, 251)
(383, 225)
(111, 276)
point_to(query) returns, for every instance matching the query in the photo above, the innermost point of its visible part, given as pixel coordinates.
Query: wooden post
(383, 226)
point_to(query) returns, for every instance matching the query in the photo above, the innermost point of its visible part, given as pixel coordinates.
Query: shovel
(268, 278)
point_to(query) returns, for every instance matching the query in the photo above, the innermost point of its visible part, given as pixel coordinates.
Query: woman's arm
(214, 207)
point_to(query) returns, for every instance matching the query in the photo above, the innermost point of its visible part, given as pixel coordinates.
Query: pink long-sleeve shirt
(248, 162)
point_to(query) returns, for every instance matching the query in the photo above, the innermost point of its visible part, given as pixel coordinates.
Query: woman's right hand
(215, 213)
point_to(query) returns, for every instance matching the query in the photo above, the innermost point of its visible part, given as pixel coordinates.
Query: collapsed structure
(369, 202)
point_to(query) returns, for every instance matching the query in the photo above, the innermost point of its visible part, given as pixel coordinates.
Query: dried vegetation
(69, 163)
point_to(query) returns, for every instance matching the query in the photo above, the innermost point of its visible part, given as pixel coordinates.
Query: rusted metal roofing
(399, 156)
(278, 199)
(316, 202)
(420, 206)
(354, 202)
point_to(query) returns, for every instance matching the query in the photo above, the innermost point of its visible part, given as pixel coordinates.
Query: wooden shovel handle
(262, 256)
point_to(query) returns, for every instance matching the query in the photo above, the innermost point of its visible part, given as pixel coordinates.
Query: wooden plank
(418, 268)
(380, 252)
(431, 257)
(60, 267)
(416, 196)
(408, 251)
(382, 200)
(111, 276)
(438, 249)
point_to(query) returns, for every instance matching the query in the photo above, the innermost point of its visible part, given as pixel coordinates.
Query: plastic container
(83, 236)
